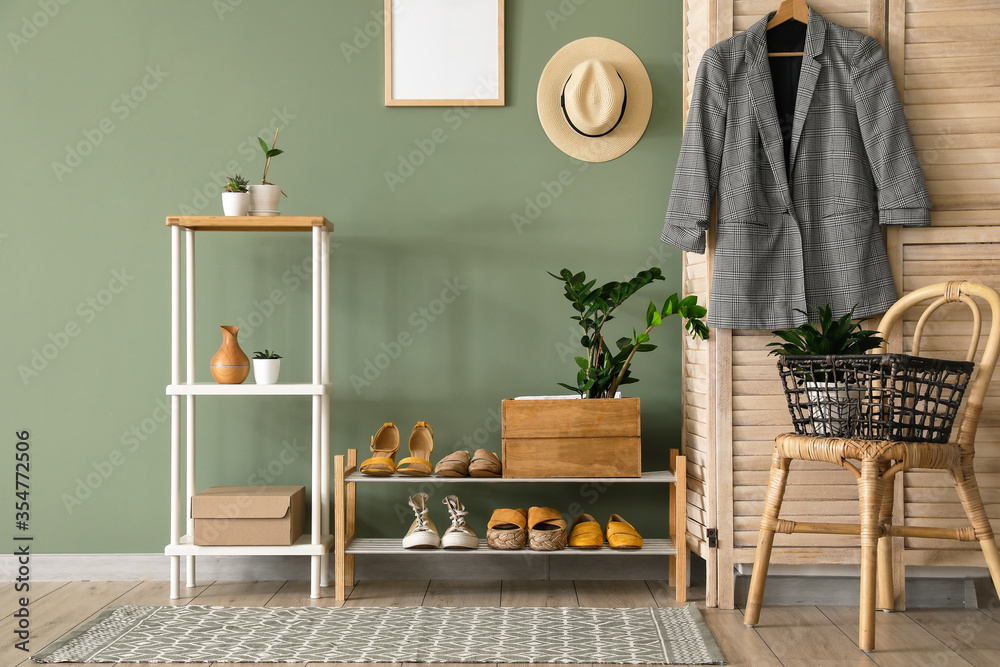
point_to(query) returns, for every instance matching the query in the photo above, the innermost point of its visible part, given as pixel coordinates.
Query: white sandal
(422, 533)
(458, 535)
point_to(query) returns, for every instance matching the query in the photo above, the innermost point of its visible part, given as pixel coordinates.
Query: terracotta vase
(230, 365)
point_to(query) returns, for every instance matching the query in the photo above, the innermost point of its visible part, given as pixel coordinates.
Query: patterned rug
(391, 634)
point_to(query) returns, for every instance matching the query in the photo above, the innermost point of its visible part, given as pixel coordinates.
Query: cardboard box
(593, 437)
(248, 515)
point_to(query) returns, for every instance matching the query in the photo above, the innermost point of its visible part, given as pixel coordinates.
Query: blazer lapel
(815, 37)
(762, 98)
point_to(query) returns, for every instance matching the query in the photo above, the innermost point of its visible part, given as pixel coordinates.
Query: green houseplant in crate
(599, 436)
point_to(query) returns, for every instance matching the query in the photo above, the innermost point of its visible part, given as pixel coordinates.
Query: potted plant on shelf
(832, 393)
(264, 198)
(266, 366)
(235, 198)
(598, 436)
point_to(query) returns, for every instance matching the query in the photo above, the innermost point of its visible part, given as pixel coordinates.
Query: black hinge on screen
(713, 537)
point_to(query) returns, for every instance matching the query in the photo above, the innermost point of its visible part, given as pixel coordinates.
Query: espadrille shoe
(455, 464)
(507, 529)
(546, 529)
(622, 535)
(586, 533)
(485, 464)
(458, 535)
(422, 533)
(385, 444)
(418, 464)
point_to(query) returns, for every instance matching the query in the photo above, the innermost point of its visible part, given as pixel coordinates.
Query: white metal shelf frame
(318, 542)
(346, 545)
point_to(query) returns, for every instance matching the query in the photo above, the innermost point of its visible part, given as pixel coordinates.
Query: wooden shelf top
(248, 223)
(652, 476)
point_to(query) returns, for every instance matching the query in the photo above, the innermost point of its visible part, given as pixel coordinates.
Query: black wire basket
(874, 396)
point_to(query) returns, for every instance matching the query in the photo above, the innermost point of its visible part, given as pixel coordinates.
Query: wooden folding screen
(944, 56)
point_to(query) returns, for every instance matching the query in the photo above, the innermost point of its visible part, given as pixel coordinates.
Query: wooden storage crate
(594, 437)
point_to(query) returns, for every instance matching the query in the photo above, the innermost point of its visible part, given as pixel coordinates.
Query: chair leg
(972, 502)
(768, 522)
(886, 595)
(870, 487)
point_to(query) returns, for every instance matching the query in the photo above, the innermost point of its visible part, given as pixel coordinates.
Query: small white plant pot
(834, 408)
(265, 371)
(264, 199)
(235, 203)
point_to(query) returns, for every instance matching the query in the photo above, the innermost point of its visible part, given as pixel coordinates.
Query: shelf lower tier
(302, 547)
(386, 546)
(653, 476)
(248, 389)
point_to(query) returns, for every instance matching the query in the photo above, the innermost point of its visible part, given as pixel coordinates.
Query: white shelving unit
(318, 542)
(346, 545)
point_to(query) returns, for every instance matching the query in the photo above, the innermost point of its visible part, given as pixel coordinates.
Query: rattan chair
(880, 460)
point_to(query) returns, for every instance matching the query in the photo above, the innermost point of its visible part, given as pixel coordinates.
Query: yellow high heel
(385, 444)
(418, 463)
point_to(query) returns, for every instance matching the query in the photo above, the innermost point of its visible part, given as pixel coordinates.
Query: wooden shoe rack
(347, 546)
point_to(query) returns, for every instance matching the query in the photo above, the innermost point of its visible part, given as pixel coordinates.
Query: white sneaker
(458, 535)
(422, 533)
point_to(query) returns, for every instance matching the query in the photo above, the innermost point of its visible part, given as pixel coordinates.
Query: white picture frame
(444, 52)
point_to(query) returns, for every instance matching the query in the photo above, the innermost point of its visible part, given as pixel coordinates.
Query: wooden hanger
(789, 10)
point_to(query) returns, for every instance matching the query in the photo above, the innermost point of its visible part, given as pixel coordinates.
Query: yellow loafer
(586, 533)
(622, 535)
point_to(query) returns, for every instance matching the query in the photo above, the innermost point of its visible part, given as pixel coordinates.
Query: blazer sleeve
(902, 193)
(697, 174)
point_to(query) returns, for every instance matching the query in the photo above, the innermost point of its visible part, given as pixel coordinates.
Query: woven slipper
(546, 529)
(507, 529)
(586, 533)
(385, 444)
(418, 464)
(455, 464)
(485, 464)
(622, 535)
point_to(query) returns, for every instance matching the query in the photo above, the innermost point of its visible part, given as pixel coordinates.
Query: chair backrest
(951, 292)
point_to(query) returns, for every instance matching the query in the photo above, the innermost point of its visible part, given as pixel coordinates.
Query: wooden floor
(786, 635)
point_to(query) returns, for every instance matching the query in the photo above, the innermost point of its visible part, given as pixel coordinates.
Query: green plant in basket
(831, 337)
(602, 371)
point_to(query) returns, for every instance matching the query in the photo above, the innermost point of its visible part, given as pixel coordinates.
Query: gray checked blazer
(813, 238)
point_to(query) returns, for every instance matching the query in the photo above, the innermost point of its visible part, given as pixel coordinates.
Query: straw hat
(594, 99)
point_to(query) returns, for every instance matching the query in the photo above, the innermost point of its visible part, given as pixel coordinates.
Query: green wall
(84, 253)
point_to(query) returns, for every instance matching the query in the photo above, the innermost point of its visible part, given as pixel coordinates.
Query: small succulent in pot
(235, 197)
(235, 184)
(838, 336)
(266, 366)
